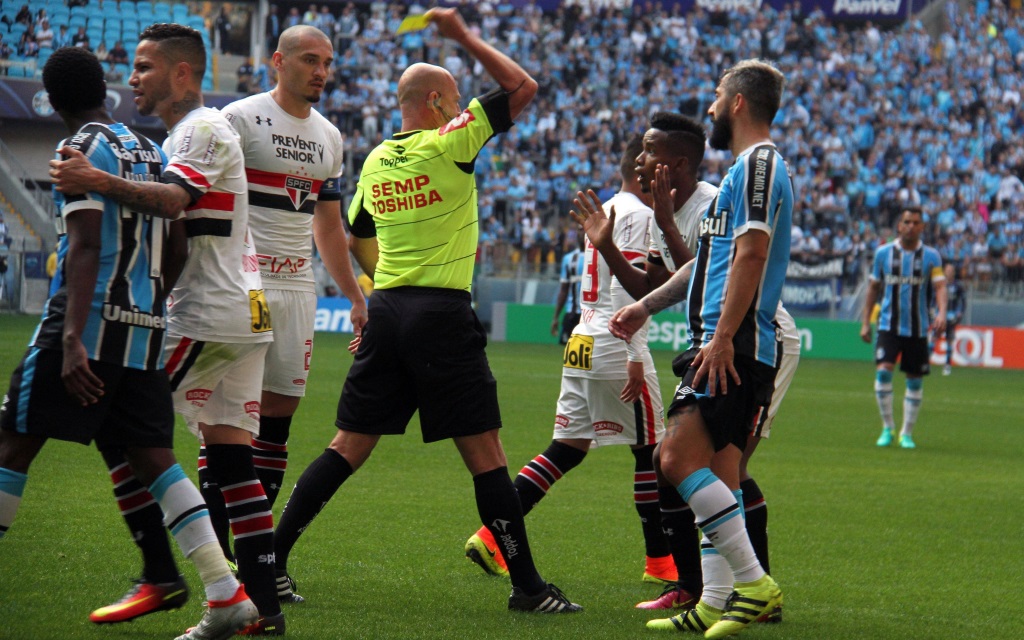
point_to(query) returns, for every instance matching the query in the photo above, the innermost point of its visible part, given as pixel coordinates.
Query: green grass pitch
(866, 543)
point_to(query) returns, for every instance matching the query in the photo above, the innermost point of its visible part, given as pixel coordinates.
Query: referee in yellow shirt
(414, 229)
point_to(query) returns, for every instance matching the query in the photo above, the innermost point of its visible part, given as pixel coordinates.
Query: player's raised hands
(590, 215)
(663, 196)
(74, 175)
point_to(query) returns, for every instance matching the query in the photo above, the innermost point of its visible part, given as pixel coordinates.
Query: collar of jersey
(756, 144)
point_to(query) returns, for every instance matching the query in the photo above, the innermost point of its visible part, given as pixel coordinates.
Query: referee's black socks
(498, 505)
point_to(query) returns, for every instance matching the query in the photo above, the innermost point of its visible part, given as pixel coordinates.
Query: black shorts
(134, 410)
(569, 322)
(912, 352)
(422, 348)
(729, 418)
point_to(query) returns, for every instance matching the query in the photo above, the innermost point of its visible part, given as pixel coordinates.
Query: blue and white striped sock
(720, 517)
(185, 512)
(12, 484)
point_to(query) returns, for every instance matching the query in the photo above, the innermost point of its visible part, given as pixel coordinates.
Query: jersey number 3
(591, 282)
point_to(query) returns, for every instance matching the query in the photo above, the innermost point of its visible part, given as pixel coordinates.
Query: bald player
(293, 161)
(414, 228)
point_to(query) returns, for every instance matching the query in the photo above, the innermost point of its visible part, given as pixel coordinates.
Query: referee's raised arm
(512, 78)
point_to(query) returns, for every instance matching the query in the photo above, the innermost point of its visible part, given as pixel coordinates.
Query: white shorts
(287, 363)
(216, 382)
(784, 376)
(591, 409)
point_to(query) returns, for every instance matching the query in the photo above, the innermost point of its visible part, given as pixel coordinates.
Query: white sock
(911, 405)
(883, 394)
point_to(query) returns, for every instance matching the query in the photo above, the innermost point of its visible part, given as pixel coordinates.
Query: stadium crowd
(874, 118)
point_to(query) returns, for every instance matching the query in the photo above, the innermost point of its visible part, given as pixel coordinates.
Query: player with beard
(677, 517)
(671, 154)
(907, 279)
(218, 323)
(728, 374)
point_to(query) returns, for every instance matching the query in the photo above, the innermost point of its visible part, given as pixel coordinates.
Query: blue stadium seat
(78, 11)
(197, 22)
(75, 22)
(144, 4)
(17, 71)
(111, 36)
(180, 13)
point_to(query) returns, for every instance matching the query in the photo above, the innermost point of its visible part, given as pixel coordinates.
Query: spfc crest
(298, 189)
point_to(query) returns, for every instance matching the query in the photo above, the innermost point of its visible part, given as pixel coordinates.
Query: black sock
(536, 478)
(680, 528)
(499, 509)
(645, 497)
(270, 453)
(314, 488)
(251, 522)
(215, 505)
(144, 518)
(755, 509)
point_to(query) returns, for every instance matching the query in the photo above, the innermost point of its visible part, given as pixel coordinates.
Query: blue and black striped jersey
(907, 291)
(127, 317)
(756, 194)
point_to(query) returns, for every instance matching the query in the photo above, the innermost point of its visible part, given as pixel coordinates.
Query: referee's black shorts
(422, 348)
(728, 417)
(135, 409)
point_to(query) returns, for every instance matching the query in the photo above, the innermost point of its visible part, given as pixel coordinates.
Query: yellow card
(416, 22)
